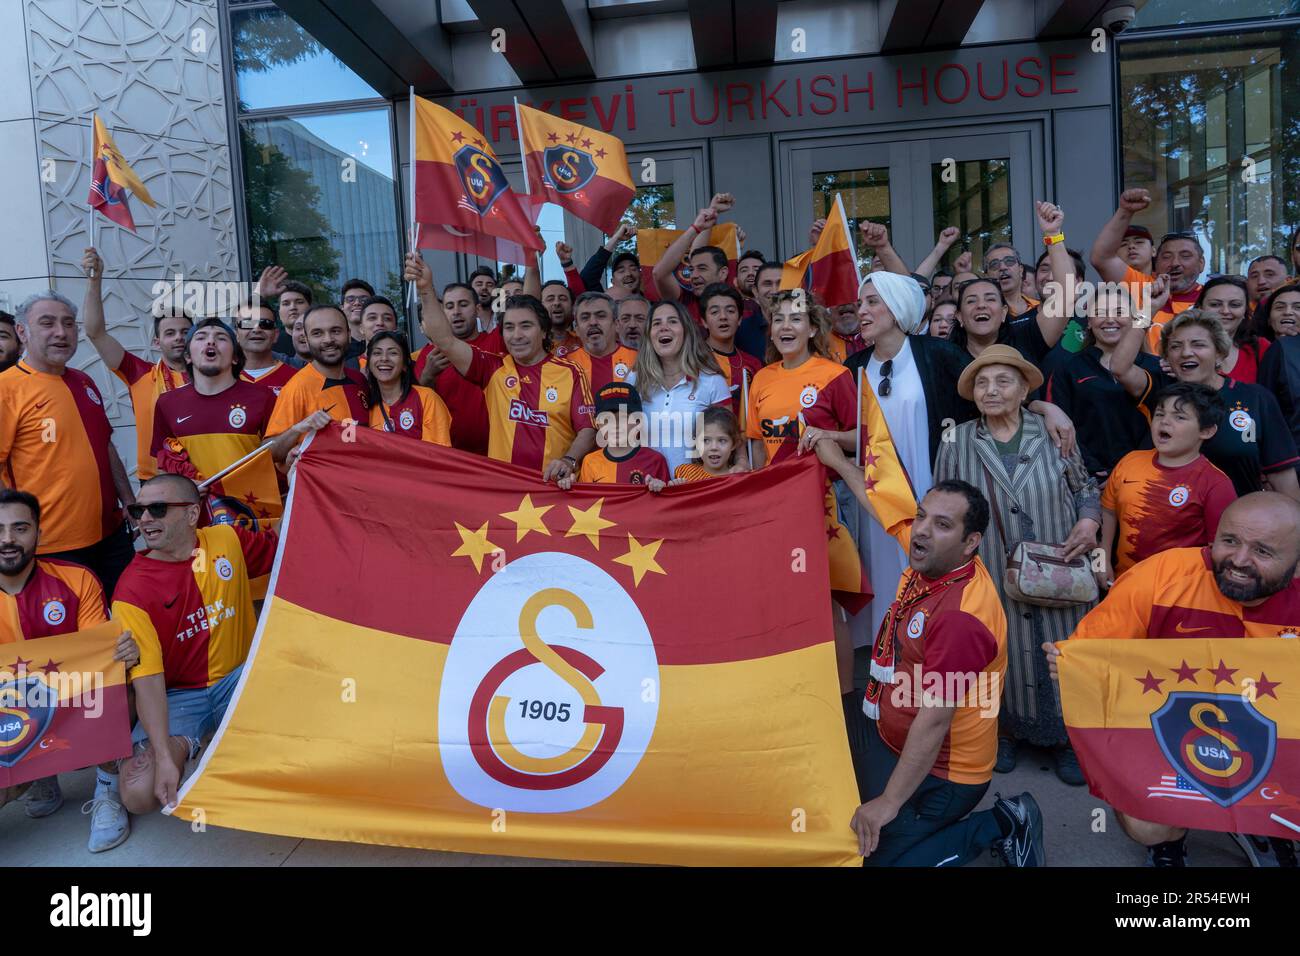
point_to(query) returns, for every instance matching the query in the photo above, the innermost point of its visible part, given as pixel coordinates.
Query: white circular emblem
(225, 570)
(916, 625)
(55, 613)
(1178, 497)
(620, 370)
(1240, 420)
(93, 395)
(275, 390)
(552, 394)
(516, 735)
(237, 417)
(512, 382)
(406, 419)
(808, 397)
(1289, 635)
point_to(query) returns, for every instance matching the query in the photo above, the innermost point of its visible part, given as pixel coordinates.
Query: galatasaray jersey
(465, 403)
(601, 370)
(692, 471)
(950, 639)
(567, 343)
(1173, 594)
(735, 364)
(421, 415)
(842, 346)
(194, 619)
(145, 382)
(819, 393)
(640, 464)
(214, 430)
(309, 391)
(534, 411)
(1159, 508)
(59, 598)
(54, 439)
(275, 377)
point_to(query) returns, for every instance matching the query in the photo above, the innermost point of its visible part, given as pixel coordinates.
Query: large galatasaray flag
(463, 201)
(62, 704)
(110, 177)
(888, 486)
(510, 669)
(830, 268)
(651, 244)
(1191, 733)
(579, 168)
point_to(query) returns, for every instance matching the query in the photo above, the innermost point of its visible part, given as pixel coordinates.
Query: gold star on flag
(474, 545)
(527, 518)
(589, 522)
(641, 558)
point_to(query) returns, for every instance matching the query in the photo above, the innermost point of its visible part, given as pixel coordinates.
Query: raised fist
(417, 270)
(874, 234)
(564, 252)
(707, 219)
(963, 263)
(815, 232)
(949, 236)
(1050, 217)
(722, 202)
(91, 264)
(624, 232)
(1134, 200)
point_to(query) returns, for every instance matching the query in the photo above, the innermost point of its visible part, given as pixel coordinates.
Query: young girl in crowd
(1278, 316)
(397, 404)
(718, 444)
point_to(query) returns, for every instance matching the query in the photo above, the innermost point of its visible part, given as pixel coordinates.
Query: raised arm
(876, 237)
(433, 319)
(720, 203)
(665, 281)
(941, 247)
(1105, 250)
(92, 311)
(1052, 321)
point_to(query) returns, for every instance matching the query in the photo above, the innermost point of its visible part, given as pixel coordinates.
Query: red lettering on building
(938, 83)
(572, 110)
(850, 90)
(503, 117)
(672, 104)
(1054, 71)
(746, 101)
(979, 82)
(1037, 78)
(606, 120)
(716, 107)
(925, 93)
(764, 97)
(812, 88)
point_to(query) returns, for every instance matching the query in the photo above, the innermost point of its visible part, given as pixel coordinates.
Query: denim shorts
(195, 712)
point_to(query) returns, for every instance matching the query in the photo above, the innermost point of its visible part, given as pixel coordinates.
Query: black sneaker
(1266, 851)
(1173, 853)
(1067, 767)
(1006, 756)
(1024, 847)
(1284, 852)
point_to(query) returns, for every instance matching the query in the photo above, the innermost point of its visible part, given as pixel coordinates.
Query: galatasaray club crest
(1219, 743)
(482, 178)
(227, 510)
(26, 711)
(567, 168)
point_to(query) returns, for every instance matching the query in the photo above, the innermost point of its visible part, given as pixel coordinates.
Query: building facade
(277, 133)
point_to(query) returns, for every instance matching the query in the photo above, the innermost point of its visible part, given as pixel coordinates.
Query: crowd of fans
(1144, 426)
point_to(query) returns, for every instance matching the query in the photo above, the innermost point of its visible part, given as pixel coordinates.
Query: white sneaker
(42, 798)
(110, 824)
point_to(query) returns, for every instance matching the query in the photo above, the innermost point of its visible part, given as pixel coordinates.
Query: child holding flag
(621, 458)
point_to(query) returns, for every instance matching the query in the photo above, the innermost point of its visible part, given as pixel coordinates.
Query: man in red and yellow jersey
(144, 380)
(56, 440)
(1242, 585)
(601, 358)
(469, 420)
(558, 301)
(721, 307)
(325, 384)
(257, 329)
(539, 407)
(846, 336)
(621, 459)
(932, 700)
(188, 602)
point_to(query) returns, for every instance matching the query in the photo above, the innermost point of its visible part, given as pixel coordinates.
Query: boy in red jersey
(621, 458)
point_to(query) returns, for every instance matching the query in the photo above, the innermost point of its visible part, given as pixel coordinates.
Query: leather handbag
(1038, 573)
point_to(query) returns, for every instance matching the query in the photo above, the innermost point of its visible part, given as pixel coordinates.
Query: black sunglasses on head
(156, 509)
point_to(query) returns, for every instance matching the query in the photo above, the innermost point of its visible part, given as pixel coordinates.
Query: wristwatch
(573, 462)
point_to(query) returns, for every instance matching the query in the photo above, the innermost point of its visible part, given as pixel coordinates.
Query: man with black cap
(620, 458)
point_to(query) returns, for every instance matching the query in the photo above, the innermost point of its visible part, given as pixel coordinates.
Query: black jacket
(940, 364)
(1279, 372)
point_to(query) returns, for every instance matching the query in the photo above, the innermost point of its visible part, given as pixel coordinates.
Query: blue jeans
(195, 712)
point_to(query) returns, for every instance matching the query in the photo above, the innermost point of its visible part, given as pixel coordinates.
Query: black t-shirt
(1252, 440)
(1107, 422)
(1021, 334)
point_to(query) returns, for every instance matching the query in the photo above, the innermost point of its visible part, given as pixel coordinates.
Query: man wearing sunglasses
(257, 330)
(144, 380)
(188, 601)
(43, 598)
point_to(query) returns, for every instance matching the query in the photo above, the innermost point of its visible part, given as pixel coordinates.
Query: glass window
(278, 63)
(865, 193)
(320, 199)
(653, 207)
(1207, 129)
(1163, 13)
(975, 197)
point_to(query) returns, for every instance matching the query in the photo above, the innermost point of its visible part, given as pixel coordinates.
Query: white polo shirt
(673, 417)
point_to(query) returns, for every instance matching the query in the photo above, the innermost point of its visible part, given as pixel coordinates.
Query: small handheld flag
(830, 268)
(111, 176)
(651, 244)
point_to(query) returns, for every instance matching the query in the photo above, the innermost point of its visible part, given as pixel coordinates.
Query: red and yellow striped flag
(571, 693)
(651, 244)
(888, 486)
(1191, 733)
(579, 168)
(463, 201)
(830, 268)
(62, 704)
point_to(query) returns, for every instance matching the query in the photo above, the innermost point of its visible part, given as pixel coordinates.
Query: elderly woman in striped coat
(1035, 494)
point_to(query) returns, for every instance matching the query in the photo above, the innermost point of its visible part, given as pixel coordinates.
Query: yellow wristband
(1053, 240)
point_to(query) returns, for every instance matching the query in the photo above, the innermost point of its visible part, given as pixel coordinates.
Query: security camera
(1117, 19)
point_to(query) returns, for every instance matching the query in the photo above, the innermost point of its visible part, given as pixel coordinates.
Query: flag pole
(92, 178)
(744, 410)
(523, 159)
(265, 446)
(415, 231)
(857, 452)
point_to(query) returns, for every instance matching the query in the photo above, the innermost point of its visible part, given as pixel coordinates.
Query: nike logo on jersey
(185, 419)
(1080, 381)
(1189, 630)
(168, 604)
